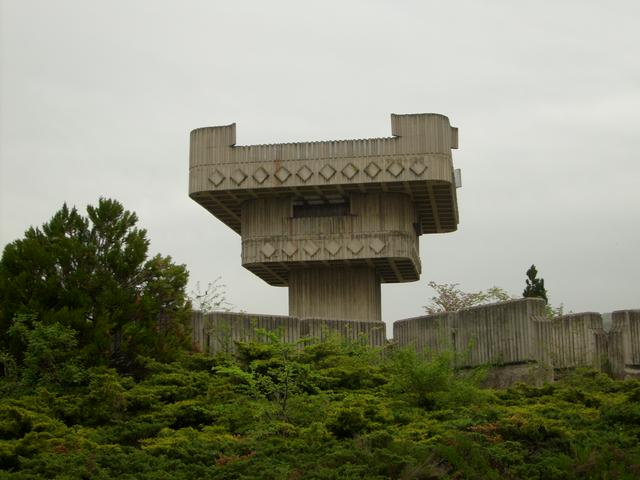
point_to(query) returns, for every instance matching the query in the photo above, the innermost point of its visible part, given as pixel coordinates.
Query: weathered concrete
(219, 331)
(337, 293)
(514, 338)
(497, 334)
(569, 341)
(369, 333)
(628, 323)
(355, 207)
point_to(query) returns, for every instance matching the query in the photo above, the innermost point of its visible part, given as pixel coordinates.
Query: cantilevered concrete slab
(332, 219)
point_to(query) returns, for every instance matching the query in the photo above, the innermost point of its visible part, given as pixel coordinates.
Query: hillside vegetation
(331, 411)
(96, 382)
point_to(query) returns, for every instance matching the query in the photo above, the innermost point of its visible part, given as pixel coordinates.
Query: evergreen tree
(535, 286)
(92, 275)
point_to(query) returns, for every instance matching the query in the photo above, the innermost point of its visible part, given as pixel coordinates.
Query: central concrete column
(346, 293)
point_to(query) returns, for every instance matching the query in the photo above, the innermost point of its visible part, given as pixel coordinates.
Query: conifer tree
(535, 286)
(92, 275)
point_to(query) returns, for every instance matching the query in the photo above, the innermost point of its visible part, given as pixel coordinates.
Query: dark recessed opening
(334, 207)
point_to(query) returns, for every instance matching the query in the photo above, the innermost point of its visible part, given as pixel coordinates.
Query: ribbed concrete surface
(568, 341)
(371, 333)
(498, 333)
(218, 331)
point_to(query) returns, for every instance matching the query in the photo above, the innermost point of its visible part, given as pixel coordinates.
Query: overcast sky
(98, 98)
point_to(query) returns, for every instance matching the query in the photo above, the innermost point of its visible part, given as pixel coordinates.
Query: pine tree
(92, 275)
(535, 286)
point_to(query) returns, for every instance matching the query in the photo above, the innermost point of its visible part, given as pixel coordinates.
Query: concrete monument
(331, 220)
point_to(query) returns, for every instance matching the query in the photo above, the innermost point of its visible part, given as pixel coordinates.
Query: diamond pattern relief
(372, 170)
(327, 172)
(418, 167)
(355, 246)
(289, 248)
(350, 170)
(217, 178)
(395, 169)
(268, 250)
(282, 174)
(311, 248)
(260, 175)
(377, 245)
(304, 173)
(332, 247)
(238, 176)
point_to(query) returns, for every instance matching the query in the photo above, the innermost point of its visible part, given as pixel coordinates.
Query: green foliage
(409, 416)
(50, 356)
(535, 286)
(91, 275)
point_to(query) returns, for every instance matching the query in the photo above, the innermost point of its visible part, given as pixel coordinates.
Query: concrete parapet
(568, 341)
(497, 333)
(515, 337)
(431, 332)
(628, 323)
(372, 333)
(218, 331)
(616, 366)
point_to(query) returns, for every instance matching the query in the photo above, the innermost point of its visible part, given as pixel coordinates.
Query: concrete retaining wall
(498, 333)
(372, 333)
(218, 331)
(508, 334)
(569, 341)
(627, 322)
(432, 333)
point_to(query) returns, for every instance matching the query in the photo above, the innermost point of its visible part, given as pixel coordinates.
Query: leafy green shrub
(184, 420)
(50, 356)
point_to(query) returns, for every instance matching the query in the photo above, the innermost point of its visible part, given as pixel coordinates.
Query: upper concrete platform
(416, 161)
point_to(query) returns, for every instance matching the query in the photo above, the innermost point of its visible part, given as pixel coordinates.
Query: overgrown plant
(212, 298)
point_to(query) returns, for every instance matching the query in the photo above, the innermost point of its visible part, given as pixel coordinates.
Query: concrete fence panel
(628, 322)
(218, 331)
(616, 353)
(568, 341)
(373, 333)
(428, 333)
(498, 333)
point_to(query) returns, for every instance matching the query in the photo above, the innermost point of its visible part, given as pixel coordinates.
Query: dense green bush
(350, 412)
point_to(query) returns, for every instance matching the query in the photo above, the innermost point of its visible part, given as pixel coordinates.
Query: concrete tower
(331, 220)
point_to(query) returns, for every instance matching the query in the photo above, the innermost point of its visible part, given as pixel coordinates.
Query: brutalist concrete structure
(331, 220)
